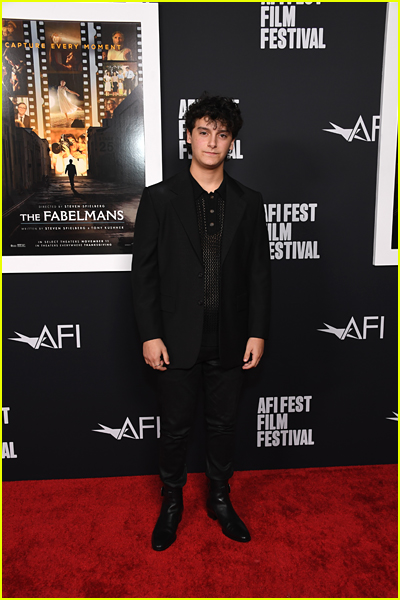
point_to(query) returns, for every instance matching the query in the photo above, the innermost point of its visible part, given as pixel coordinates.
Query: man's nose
(212, 142)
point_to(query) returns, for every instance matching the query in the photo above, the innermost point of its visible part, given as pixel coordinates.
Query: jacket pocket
(168, 303)
(242, 301)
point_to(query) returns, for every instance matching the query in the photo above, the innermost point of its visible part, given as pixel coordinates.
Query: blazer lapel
(234, 208)
(184, 205)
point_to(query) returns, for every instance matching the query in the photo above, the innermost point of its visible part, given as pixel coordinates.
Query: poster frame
(147, 14)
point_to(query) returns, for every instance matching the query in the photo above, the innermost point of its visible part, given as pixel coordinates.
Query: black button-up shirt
(210, 208)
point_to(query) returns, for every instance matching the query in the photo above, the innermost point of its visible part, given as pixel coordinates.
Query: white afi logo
(46, 340)
(128, 431)
(359, 128)
(353, 331)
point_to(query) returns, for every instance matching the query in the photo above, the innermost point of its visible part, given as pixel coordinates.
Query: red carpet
(328, 532)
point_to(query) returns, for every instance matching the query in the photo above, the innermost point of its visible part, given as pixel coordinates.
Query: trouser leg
(178, 392)
(222, 393)
(223, 388)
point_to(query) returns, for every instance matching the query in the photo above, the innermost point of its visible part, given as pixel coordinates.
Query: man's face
(118, 39)
(21, 109)
(210, 143)
(72, 142)
(8, 29)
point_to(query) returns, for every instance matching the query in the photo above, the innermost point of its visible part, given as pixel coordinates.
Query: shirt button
(200, 303)
(212, 197)
(211, 224)
(212, 210)
(200, 274)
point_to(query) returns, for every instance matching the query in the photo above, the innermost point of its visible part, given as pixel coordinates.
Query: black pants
(178, 391)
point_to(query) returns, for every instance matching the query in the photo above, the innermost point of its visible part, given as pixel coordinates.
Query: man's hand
(155, 354)
(255, 348)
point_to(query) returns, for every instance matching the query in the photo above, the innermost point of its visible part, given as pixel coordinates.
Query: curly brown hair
(216, 108)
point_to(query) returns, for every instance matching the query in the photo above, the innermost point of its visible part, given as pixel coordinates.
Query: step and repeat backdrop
(106, 91)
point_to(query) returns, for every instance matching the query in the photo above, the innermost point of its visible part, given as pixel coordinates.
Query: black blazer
(167, 271)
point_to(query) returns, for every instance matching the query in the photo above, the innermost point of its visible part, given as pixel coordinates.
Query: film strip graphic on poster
(74, 122)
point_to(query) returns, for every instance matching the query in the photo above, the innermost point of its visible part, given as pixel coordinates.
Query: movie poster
(77, 80)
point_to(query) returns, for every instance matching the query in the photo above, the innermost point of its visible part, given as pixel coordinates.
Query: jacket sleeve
(145, 274)
(260, 278)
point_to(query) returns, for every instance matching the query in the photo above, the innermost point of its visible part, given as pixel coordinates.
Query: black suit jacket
(167, 271)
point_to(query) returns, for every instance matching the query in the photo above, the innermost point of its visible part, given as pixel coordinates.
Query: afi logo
(359, 131)
(46, 340)
(353, 331)
(395, 418)
(128, 431)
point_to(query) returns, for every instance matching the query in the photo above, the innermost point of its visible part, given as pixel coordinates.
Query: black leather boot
(164, 533)
(219, 507)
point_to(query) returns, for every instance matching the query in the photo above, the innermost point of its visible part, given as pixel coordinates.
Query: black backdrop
(55, 398)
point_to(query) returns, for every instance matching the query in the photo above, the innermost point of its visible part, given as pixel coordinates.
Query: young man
(201, 287)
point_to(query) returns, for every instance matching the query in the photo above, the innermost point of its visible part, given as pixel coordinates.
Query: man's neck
(210, 180)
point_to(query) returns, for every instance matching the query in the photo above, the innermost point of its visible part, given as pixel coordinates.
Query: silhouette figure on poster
(70, 170)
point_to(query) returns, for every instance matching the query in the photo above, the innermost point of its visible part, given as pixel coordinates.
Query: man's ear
(232, 144)
(188, 136)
